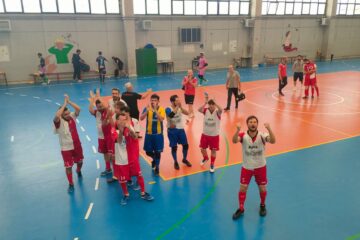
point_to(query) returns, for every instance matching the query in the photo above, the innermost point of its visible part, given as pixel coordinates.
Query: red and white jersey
(253, 150)
(112, 104)
(68, 135)
(310, 67)
(132, 144)
(103, 130)
(211, 126)
(121, 156)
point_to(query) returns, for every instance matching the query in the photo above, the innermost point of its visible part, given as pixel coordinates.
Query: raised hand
(267, 126)
(238, 126)
(67, 99)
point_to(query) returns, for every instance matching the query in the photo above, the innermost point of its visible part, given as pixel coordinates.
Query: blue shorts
(176, 136)
(154, 142)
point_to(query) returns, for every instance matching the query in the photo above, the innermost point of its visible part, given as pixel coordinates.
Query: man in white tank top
(254, 162)
(211, 129)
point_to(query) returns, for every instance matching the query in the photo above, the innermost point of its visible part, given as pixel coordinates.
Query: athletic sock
(263, 197)
(70, 178)
(212, 160)
(242, 197)
(140, 180)
(124, 188)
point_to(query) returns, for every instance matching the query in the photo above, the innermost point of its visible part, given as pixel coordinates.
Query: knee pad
(186, 146)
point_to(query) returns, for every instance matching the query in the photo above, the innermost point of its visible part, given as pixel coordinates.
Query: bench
(242, 62)
(63, 75)
(3, 75)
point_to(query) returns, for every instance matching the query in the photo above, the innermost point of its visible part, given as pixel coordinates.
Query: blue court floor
(313, 193)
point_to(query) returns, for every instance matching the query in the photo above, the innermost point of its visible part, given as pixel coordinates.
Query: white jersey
(112, 104)
(177, 120)
(121, 157)
(63, 129)
(98, 116)
(253, 150)
(211, 125)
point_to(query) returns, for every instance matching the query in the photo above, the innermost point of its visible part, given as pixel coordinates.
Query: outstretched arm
(235, 138)
(61, 110)
(271, 137)
(75, 106)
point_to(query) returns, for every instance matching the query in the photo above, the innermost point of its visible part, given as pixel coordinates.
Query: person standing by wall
(42, 69)
(77, 61)
(233, 86)
(201, 68)
(189, 84)
(101, 66)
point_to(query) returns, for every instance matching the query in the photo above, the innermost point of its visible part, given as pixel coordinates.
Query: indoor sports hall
(312, 168)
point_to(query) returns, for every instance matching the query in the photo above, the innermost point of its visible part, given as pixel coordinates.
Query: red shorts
(211, 142)
(106, 145)
(310, 82)
(125, 172)
(72, 156)
(259, 173)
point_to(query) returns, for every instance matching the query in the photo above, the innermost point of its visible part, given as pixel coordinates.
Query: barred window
(348, 7)
(293, 7)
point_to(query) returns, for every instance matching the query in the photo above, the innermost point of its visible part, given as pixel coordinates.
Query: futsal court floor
(313, 168)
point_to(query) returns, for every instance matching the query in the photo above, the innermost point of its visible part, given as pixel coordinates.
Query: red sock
(107, 164)
(312, 91)
(263, 197)
(140, 180)
(242, 197)
(212, 160)
(306, 92)
(79, 166)
(317, 91)
(70, 179)
(124, 188)
(205, 156)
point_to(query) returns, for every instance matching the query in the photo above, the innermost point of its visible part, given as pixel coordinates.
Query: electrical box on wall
(5, 26)
(146, 25)
(249, 22)
(324, 21)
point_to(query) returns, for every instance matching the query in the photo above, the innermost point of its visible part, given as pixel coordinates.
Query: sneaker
(176, 165)
(312, 96)
(79, 81)
(71, 188)
(262, 210)
(305, 97)
(124, 200)
(186, 162)
(281, 94)
(153, 165)
(226, 109)
(146, 196)
(106, 172)
(203, 162)
(212, 169)
(48, 82)
(205, 80)
(79, 174)
(239, 212)
(111, 180)
(130, 183)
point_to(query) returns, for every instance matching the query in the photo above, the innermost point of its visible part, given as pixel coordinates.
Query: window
(48, 6)
(97, 6)
(31, 6)
(112, 6)
(192, 7)
(82, 6)
(13, 5)
(293, 7)
(63, 6)
(189, 35)
(348, 7)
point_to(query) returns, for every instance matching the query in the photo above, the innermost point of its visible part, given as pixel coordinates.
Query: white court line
(94, 149)
(82, 128)
(88, 138)
(89, 211)
(23, 95)
(7, 93)
(76, 238)
(97, 164)
(48, 100)
(36, 97)
(77, 121)
(12, 138)
(97, 184)
(58, 104)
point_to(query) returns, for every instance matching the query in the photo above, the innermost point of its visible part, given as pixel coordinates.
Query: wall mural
(287, 46)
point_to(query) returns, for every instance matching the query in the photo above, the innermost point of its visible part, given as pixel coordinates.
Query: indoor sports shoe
(156, 171)
(153, 165)
(239, 212)
(212, 169)
(124, 200)
(106, 172)
(203, 162)
(176, 165)
(262, 210)
(186, 162)
(71, 188)
(147, 197)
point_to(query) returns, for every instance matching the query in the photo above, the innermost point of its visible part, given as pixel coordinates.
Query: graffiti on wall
(287, 45)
